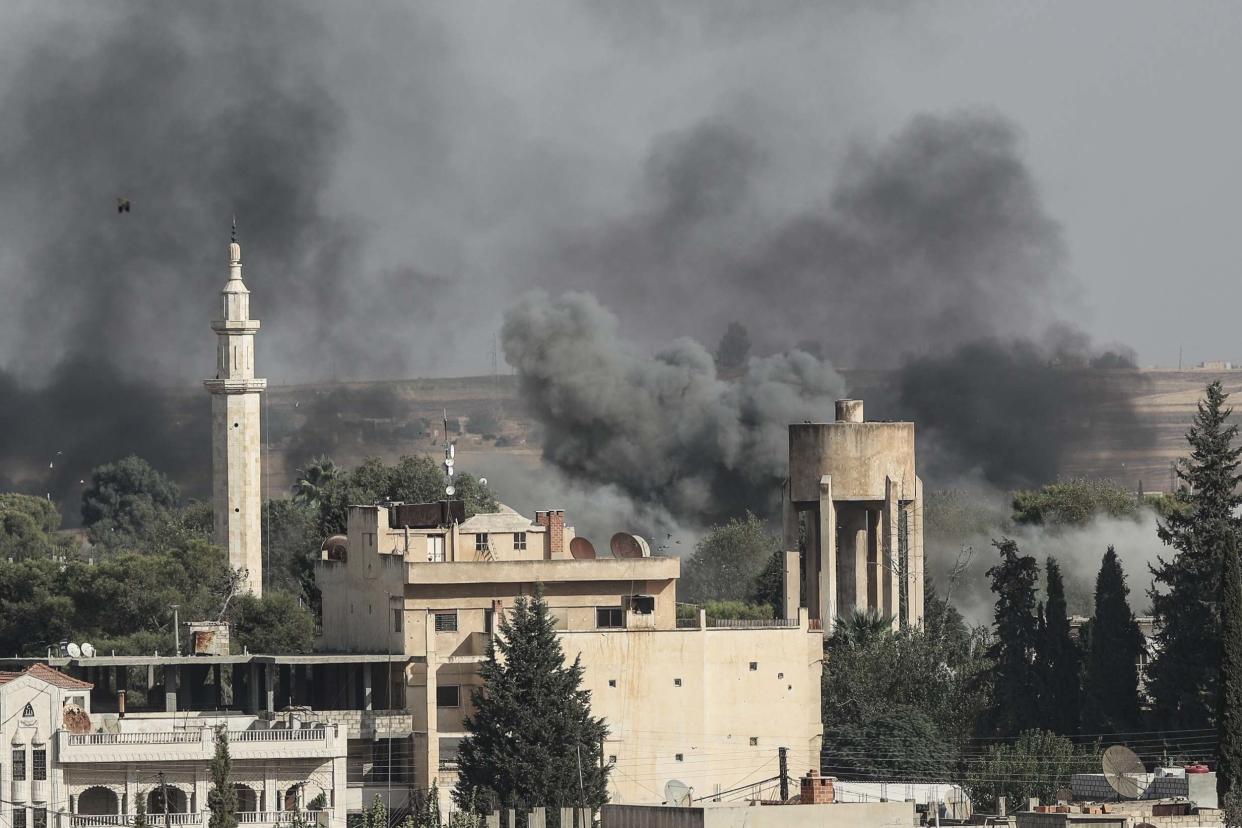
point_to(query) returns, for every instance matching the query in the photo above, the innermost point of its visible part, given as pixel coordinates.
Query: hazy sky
(459, 152)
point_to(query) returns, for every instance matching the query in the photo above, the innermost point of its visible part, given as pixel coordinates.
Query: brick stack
(818, 790)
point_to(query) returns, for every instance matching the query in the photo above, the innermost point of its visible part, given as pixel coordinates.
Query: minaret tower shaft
(236, 435)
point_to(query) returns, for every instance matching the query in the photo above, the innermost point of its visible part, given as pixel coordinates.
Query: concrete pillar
(129, 804)
(814, 561)
(827, 543)
(538, 818)
(351, 686)
(584, 817)
(852, 558)
(200, 789)
(172, 675)
(875, 564)
(914, 526)
(791, 593)
(493, 819)
(432, 760)
(567, 818)
(889, 550)
(269, 686)
(368, 681)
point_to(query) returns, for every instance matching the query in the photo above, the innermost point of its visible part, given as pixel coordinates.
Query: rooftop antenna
(678, 794)
(1123, 771)
(449, 460)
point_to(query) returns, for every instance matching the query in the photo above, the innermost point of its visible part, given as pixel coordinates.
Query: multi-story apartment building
(74, 768)
(708, 703)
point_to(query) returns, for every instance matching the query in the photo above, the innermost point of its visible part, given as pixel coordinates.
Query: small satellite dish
(88, 649)
(449, 461)
(582, 549)
(625, 545)
(452, 450)
(74, 651)
(450, 490)
(482, 481)
(677, 793)
(1123, 771)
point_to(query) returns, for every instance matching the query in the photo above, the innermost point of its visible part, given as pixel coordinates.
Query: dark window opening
(40, 765)
(480, 542)
(609, 617)
(519, 541)
(19, 764)
(448, 695)
(446, 621)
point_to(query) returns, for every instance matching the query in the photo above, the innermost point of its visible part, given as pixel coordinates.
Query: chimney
(849, 411)
(556, 533)
(818, 790)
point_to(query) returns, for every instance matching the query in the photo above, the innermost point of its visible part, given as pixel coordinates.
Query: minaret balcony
(235, 326)
(235, 386)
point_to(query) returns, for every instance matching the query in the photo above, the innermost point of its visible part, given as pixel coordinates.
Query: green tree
(293, 545)
(312, 479)
(1036, 764)
(1183, 675)
(531, 739)
(734, 346)
(412, 480)
(275, 623)
(900, 742)
(125, 500)
(768, 588)
(1074, 503)
(1229, 708)
(728, 560)
(28, 529)
(1015, 681)
(1114, 643)
(727, 610)
(1059, 660)
(222, 798)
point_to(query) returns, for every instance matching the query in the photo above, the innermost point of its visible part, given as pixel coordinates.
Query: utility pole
(176, 630)
(783, 754)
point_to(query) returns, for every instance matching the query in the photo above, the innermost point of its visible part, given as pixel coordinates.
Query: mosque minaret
(236, 469)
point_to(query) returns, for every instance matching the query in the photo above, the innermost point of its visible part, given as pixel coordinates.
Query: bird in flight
(122, 205)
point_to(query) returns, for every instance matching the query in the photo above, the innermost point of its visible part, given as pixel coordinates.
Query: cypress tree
(1015, 681)
(1059, 661)
(1110, 674)
(1229, 710)
(1183, 675)
(531, 740)
(222, 798)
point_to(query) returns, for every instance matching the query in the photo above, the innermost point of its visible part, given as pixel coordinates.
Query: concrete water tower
(854, 494)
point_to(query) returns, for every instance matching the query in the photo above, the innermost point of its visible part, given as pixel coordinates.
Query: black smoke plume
(667, 431)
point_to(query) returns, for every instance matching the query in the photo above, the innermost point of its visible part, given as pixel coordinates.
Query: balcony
(199, 744)
(154, 820)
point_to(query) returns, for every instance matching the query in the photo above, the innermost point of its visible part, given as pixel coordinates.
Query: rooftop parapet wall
(544, 571)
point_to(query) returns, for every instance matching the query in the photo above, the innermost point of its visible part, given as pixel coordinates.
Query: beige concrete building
(236, 472)
(854, 495)
(70, 766)
(706, 702)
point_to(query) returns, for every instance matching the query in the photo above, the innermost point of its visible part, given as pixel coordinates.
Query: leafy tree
(730, 610)
(275, 623)
(140, 815)
(1015, 681)
(955, 514)
(1036, 764)
(413, 480)
(1059, 660)
(485, 420)
(1114, 642)
(860, 628)
(727, 562)
(531, 735)
(1229, 708)
(28, 529)
(768, 588)
(124, 500)
(312, 479)
(293, 543)
(898, 743)
(222, 798)
(34, 612)
(1182, 677)
(1074, 503)
(734, 346)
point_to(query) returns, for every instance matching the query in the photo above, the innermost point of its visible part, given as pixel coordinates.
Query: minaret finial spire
(233, 235)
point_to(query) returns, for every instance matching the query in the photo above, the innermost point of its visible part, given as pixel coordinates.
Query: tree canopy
(531, 739)
(1114, 642)
(125, 500)
(1058, 659)
(1015, 680)
(1074, 503)
(28, 529)
(728, 562)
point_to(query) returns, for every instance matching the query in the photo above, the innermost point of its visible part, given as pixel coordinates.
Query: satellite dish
(450, 490)
(482, 481)
(449, 461)
(74, 651)
(1123, 771)
(677, 793)
(625, 545)
(582, 549)
(88, 649)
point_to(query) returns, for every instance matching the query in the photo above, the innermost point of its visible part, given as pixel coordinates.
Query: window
(754, 665)
(609, 617)
(489, 620)
(612, 682)
(612, 758)
(754, 741)
(28, 711)
(19, 764)
(519, 541)
(396, 620)
(40, 765)
(446, 621)
(448, 695)
(19, 816)
(480, 542)
(677, 682)
(40, 816)
(679, 757)
(435, 548)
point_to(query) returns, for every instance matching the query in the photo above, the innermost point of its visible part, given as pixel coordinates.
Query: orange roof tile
(52, 676)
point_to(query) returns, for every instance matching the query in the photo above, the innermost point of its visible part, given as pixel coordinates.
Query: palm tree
(311, 480)
(860, 627)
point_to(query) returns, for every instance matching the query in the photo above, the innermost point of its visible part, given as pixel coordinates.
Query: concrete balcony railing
(154, 820)
(306, 742)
